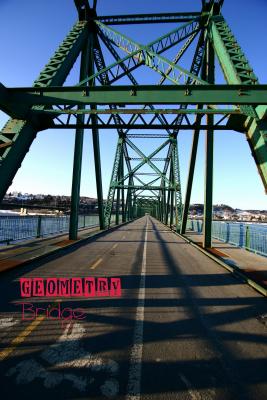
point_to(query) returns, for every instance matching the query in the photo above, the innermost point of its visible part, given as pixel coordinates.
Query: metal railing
(14, 228)
(252, 237)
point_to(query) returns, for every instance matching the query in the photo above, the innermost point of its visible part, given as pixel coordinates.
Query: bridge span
(183, 327)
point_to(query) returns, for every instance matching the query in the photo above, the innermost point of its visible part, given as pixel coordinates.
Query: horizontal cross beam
(20, 99)
(131, 111)
(144, 187)
(137, 126)
(148, 18)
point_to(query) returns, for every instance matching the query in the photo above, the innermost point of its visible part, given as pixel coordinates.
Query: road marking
(7, 322)
(21, 337)
(68, 354)
(123, 237)
(96, 263)
(135, 369)
(114, 246)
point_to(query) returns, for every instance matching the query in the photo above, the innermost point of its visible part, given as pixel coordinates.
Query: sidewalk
(254, 266)
(27, 250)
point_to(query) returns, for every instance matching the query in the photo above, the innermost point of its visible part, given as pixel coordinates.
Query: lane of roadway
(184, 328)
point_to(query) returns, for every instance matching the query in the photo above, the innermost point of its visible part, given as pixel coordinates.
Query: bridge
(142, 307)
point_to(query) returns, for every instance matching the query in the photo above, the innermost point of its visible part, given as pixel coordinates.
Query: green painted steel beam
(78, 149)
(145, 160)
(139, 126)
(140, 55)
(112, 187)
(209, 147)
(10, 109)
(21, 133)
(150, 54)
(132, 111)
(190, 176)
(237, 70)
(142, 187)
(95, 135)
(148, 18)
(83, 9)
(193, 155)
(143, 94)
(177, 184)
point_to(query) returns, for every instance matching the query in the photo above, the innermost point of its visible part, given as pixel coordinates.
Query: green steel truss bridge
(108, 96)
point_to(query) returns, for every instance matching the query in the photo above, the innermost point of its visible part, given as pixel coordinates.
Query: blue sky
(31, 31)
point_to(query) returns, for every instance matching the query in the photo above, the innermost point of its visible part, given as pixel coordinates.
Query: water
(13, 228)
(251, 236)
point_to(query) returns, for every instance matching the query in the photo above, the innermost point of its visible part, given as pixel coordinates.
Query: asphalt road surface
(183, 328)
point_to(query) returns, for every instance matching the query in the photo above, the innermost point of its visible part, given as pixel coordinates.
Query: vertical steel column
(78, 150)
(172, 194)
(127, 203)
(168, 198)
(96, 146)
(192, 164)
(134, 215)
(122, 192)
(193, 156)
(98, 173)
(164, 202)
(176, 184)
(160, 209)
(129, 198)
(207, 223)
(114, 182)
(172, 206)
(118, 196)
(167, 208)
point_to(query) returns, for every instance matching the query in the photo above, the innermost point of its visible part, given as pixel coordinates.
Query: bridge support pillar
(207, 239)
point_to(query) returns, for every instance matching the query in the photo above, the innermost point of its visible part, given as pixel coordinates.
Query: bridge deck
(183, 328)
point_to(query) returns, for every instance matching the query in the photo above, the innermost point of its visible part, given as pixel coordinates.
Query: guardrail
(14, 228)
(252, 237)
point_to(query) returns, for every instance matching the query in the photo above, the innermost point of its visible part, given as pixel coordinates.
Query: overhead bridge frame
(190, 101)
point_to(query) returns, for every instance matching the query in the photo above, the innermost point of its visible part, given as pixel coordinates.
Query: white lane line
(134, 379)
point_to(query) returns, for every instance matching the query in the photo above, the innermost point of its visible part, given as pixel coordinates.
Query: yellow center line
(23, 335)
(96, 263)
(101, 259)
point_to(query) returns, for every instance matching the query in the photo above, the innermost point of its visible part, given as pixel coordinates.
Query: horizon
(48, 165)
(104, 199)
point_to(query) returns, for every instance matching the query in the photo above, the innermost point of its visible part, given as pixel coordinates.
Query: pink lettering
(38, 287)
(25, 287)
(27, 307)
(89, 287)
(115, 287)
(64, 287)
(102, 287)
(51, 287)
(76, 287)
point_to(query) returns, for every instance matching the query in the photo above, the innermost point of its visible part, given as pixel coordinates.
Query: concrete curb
(234, 269)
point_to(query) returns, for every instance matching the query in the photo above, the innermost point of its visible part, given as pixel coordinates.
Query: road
(183, 328)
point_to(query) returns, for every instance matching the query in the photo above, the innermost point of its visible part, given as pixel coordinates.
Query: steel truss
(140, 182)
